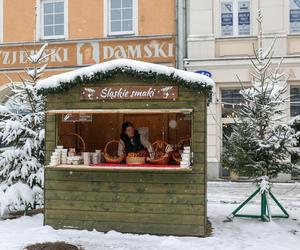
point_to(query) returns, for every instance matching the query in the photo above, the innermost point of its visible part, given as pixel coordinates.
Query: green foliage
(245, 154)
(145, 76)
(261, 142)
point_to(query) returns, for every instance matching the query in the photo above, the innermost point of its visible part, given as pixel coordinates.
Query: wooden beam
(128, 111)
(120, 168)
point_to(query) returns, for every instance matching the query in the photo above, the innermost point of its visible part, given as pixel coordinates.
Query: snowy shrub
(22, 135)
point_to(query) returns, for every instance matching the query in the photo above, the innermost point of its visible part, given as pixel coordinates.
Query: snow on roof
(55, 82)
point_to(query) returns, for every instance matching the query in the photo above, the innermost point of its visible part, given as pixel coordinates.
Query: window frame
(41, 20)
(225, 121)
(235, 25)
(134, 20)
(294, 175)
(291, 101)
(289, 21)
(229, 119)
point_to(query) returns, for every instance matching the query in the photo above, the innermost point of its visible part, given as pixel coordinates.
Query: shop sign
(77, 117)
(129, 93)
(204, 72)
(244, 17)
(157, 50)
(227, 18)
(295, 16)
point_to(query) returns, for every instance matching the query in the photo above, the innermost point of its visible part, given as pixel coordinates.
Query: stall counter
(122, 167)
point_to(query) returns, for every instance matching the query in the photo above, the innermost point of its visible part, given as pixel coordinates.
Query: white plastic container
(182, 165)
(95, 158)
(64, 151)
(185, 157)
(99, 155)
(86, 158)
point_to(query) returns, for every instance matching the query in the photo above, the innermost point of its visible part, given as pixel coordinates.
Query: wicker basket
(160, 153)
(184, 142)
(135, 160)
(76, 135)
(176, 156)
(163, 160)
(111, 159)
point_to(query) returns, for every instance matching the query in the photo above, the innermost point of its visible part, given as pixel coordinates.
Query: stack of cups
(86, 158)
(98, 152)
(95, 158)
(64, 154)
(55, 158)
(57, 153)
(185, 157)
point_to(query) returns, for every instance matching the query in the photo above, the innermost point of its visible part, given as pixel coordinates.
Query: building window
(53, 19)
(294, 16)
(227, 129)
(121, 17)
(295, 101)
(231, 102)
(235, 18)
(295, 158)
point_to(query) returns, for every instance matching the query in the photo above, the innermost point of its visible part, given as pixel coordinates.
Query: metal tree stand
(265, 212)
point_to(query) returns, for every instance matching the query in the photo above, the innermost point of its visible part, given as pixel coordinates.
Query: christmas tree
(261, 142)
(22, 135)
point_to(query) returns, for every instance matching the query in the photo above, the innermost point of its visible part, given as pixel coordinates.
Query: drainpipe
(180, 33)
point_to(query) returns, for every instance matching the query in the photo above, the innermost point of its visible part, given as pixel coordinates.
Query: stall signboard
(294, 16)
(77, 117)
(129, 93)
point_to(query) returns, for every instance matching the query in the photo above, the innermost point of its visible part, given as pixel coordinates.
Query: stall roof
(142, 70)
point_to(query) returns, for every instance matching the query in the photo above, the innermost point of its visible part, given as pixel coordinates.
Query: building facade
(81, 33)
(220, 39)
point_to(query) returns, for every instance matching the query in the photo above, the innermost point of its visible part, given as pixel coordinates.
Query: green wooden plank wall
(139, 202)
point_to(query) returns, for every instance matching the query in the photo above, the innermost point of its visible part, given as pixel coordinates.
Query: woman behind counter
(132, 142)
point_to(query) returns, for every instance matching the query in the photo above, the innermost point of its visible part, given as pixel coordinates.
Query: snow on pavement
(223, 198)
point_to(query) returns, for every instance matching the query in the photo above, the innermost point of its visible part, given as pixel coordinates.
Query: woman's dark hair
(125, 125)
(133, 145)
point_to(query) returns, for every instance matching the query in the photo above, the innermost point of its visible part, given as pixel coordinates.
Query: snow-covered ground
(281, 234)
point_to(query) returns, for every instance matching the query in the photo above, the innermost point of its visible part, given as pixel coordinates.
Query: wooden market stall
(85, 112)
